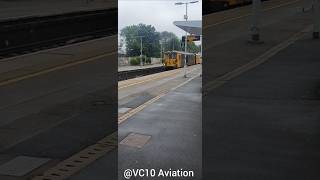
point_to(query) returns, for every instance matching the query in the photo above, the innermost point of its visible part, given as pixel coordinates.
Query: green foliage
(148, 60)
(193, 48)
(134, 61)
(150, 40)
(170, 41)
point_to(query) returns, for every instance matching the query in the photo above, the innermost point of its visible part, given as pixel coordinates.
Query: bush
(148, 60)
(134, 61)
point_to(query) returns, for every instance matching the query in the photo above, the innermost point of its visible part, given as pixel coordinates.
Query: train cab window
(173, 56)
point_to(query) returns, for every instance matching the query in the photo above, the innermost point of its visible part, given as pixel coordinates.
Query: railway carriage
(222, 4)
(175, 59)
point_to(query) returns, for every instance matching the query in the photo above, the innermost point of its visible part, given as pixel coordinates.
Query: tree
(193, 48)
(150, 40)
(170, 41)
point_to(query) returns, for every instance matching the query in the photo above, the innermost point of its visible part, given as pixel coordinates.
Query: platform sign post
(185, 39)
(185, 44)
(316, 19)
(255, 29)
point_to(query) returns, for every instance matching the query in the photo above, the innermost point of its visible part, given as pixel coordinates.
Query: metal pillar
(255, 29)
(186, 44)
(201, 46)
(316, 19)
(161, 54)
(141, 63)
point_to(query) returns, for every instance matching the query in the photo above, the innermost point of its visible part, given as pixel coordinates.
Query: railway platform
(262, 122)
(130, 68)
(275, 104)
(24, 65)
(21, 9)
(165, 133)
(258, 97)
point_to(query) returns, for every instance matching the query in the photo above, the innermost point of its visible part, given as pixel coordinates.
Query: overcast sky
(159, 13)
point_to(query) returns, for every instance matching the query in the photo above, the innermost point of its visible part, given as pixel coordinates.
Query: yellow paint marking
(152, 77)
(259, 60)
(132, 112)
(139, 108)
(87, 156)
(158, 76)
(46, 71)
(75, 163)
(246, 15)
(109, 38)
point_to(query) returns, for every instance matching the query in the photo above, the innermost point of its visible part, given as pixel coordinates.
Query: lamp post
(141, 63)
(161, 56)
(173, 41)
(141, 48)
(185, 39)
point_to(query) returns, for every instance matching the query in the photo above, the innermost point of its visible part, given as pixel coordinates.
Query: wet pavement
(264, 124)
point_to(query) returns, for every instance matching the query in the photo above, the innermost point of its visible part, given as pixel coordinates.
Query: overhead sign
(191, 38)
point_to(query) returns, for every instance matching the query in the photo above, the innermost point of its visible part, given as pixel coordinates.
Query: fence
(125, 61)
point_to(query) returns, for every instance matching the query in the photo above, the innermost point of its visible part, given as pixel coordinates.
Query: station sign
(191, 38)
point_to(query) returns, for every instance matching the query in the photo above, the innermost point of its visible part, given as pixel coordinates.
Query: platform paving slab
(264, 124)
(21, 8)
(21, 165)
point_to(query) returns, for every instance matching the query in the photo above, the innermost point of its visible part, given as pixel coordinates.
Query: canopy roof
(192, 27)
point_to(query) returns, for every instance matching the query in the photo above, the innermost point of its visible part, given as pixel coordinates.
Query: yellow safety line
(134, 111)
(104, 55)
(246, 15)
(85, 157)
(157, 76)
(46, 71)
(254, 63)
(150, 79)
(75, 163)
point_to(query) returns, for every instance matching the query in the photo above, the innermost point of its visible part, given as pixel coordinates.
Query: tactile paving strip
(75, 163)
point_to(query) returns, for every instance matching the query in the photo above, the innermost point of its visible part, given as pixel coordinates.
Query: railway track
(124, 75)
(29, 34)
(212, 6)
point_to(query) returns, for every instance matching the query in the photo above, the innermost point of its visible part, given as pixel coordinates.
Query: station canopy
(192, 27)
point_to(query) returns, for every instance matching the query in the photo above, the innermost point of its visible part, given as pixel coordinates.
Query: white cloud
(160, 14)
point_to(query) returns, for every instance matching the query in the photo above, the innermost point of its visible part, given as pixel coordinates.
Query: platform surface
(22, 8)
(174, 125)
(130, 68)
(45, 115)
(264, 124)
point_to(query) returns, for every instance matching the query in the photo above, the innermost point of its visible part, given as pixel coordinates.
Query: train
(210, 6)
(175, 59)
(227, 3)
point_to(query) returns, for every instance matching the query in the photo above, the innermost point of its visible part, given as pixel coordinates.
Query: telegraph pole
(173, 41)
(141, 63)
(141, 47)
(161, 54)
